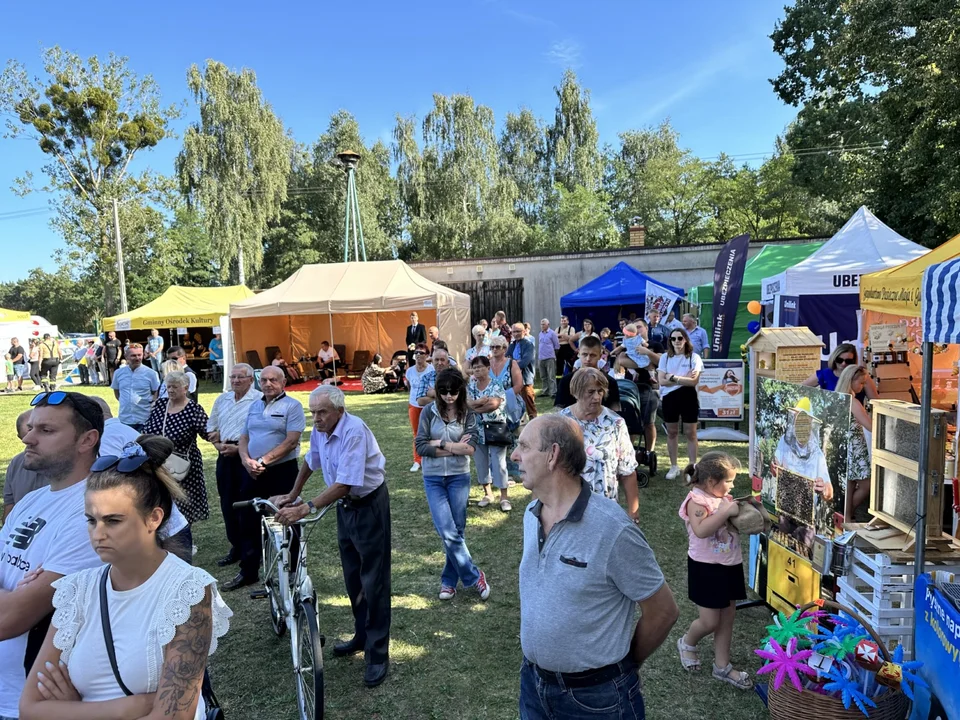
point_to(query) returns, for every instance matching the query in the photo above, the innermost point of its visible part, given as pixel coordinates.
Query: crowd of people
(118, 497)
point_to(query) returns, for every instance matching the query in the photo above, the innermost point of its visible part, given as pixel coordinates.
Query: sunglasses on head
(123, 464)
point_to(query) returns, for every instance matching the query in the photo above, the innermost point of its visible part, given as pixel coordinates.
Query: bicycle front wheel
(309, 668)
(271, 569)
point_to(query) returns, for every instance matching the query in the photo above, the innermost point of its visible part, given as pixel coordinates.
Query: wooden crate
(881, 590)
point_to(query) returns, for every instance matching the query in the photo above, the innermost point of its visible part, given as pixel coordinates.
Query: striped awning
(940, 303)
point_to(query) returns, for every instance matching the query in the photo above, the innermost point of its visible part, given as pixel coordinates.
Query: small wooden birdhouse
(789, 354)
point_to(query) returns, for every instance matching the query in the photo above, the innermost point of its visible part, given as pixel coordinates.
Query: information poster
(796, 364)
(721, 390)
(938, 645)
(888, 336)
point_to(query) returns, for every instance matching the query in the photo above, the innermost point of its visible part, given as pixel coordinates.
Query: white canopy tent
(862, 245)
(364, 306)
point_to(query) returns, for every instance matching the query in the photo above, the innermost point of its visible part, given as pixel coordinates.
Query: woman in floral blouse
(611, 458)
(487, 396)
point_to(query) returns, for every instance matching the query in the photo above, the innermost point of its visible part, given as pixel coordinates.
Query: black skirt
(714, 586)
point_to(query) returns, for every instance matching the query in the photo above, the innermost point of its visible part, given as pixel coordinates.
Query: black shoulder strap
(107, 632)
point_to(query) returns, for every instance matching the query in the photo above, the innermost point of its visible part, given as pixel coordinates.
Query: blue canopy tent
(621, 290)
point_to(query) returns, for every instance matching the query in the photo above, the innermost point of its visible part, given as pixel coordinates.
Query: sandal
(738, 678)
(690, 664)
(484, 501)
(505, 506)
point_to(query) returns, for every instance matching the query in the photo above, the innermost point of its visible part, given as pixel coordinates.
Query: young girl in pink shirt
(714, 564)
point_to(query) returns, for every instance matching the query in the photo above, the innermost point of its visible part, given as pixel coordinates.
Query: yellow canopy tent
(181, 307)
(13, 315)
(892, 297)
(896, 290)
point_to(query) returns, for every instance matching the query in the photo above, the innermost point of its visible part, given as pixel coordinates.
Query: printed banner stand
(727, 283)
(720, 390)
(937, 643)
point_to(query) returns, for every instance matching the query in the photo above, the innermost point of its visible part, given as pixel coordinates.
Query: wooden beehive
(895, 467)
(788, 354)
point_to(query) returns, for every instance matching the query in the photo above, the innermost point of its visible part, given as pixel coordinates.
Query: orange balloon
(754, 307)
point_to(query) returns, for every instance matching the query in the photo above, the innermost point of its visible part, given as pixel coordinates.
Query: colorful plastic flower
(849, 690)
(794, 627)
(846, 624)
(909, 677)
(787, 663)
(838, 642)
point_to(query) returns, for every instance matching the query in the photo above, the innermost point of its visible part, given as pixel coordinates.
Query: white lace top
(143, 620)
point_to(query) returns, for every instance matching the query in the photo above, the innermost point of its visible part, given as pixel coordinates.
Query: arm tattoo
(699, 513)
(184, 662)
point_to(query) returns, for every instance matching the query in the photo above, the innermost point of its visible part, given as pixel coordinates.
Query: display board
(888, 336)
(720, 390)
(796, 364)
(800, 459)
(937, 643)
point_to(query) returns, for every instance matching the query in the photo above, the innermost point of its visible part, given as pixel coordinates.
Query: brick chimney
(638, 234)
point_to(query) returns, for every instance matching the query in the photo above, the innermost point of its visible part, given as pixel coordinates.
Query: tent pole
(924, 460)
(330, 317)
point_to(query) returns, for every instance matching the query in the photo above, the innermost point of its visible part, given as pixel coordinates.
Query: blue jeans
(617, 699)
(447, 496)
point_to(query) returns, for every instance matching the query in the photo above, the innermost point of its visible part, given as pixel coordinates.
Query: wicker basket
(788, 704)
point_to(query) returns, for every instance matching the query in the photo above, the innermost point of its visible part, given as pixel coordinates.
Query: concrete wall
(546, 278)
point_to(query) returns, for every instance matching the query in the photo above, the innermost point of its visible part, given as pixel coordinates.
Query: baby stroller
(632, 412)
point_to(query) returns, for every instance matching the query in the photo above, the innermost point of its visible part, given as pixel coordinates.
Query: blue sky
(703, 64)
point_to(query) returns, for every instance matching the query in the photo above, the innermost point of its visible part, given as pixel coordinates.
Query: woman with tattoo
(165, 616)
(714, 564)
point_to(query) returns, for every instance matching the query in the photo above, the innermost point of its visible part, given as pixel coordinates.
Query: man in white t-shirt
(325, 360)
(46, 531)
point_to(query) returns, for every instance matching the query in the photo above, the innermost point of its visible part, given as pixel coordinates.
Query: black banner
(727, 283)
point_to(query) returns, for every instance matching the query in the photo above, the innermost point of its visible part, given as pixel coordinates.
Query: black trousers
(275, 480)
(49, 367)
(363, 535)
(229, 480)
(84, 374)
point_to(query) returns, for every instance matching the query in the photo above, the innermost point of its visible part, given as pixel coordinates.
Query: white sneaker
(415, 467)
(447, 592)
(193, 550)
(673, 473)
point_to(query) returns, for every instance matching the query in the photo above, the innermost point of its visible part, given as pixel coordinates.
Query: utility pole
(123, 280)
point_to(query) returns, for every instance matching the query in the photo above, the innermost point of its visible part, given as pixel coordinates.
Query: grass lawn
(455, 660)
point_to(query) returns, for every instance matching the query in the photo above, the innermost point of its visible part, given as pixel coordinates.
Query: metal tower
(348, 160)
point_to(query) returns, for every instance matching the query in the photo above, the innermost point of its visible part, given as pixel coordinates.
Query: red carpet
(349, 385)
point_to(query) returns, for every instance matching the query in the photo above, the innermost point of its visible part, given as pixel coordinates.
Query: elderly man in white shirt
(225, 425)
(345, 449)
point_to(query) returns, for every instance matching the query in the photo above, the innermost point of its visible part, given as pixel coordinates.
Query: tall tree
(91, 118)
(310, 228)
(880, 116)
(572, 146)
(523, 161)
(456, 203)
(234, 164)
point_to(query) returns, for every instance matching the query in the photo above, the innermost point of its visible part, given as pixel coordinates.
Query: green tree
(572, 149)
(234, 164)
(91, 118)
(666, 186)
(455, 201)
(880, 107)
(580, 220)
(310, 228)
(72, 305)
(523, 162)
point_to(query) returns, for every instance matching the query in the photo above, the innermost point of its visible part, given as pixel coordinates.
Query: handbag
(496, 432)
(210, 702)
(177, 466)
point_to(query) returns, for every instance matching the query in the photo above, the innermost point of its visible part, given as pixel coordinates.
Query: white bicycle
(293, 602)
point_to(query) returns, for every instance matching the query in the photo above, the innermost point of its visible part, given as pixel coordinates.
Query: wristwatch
(443, 443)
(260, 461)
(313, 508)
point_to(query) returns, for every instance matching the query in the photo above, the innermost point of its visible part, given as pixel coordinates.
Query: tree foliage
(91, 118)
(877, 84)
(235, 164)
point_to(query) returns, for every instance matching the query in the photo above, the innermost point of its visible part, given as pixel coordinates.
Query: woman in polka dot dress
(185, 420)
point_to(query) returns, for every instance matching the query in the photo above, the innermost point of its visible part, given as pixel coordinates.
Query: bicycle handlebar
(260, 504)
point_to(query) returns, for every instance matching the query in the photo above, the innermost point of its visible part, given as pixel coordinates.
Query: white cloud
(565, 53)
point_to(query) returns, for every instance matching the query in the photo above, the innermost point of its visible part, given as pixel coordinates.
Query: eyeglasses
(420, 352)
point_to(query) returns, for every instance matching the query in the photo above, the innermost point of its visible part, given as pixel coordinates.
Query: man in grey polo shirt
(584, 566)
(269, 447)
